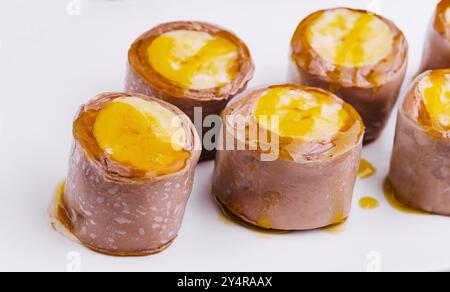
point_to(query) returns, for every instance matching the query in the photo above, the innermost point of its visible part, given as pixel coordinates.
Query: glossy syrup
(368, 203)
(228, 217)
(389, 193)
(59, 216)
(366, 169)
(336, 228)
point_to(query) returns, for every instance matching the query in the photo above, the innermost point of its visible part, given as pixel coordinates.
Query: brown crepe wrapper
(420, 165)
(142, 78)
(373, 90)
(313, 188)
(436, 53)
(116, 210)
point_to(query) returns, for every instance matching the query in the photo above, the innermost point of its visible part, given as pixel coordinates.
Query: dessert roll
(191, 65)
(436, 53)
(298, 170)
(130, 174)
(420, 166)
(360, 56)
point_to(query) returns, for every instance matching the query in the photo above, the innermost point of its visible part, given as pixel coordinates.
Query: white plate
(51, 62)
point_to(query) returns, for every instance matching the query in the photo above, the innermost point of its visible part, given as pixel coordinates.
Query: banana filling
(142, 134)
(194, 59)
(435, 92)
(350, 38)
(306, 115)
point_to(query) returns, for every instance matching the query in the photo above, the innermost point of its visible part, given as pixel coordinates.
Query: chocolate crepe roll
(360, 56)
(436, 53)
(130, 173)
(297, 170)
(420, 166)
(190, 64)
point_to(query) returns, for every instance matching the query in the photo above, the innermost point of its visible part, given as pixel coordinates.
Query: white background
(51, 62)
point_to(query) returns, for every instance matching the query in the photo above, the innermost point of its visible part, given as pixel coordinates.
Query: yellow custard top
(307, 115)
(194, 59)
(435, 91)
(142, 134)
(350, 38)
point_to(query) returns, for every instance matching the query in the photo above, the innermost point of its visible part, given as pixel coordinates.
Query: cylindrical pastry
(130, 173)
(436, 53)
(191, 65)
(420, 166)
(360, 56)
(297, 162)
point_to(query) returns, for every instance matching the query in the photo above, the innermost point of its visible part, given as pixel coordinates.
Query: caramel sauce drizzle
(368, 203)
(389, 193)
(59, 209)
(366, 169)
(228, 217)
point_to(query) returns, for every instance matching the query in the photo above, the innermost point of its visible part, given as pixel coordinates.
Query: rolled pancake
(420, 166)
(359, 56)
(128, 185)
(305, 178)
(191, 65)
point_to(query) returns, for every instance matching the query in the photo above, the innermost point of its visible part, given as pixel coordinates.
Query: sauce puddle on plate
(368, 203)
(366, 169)
(59, 217)
(389, 193)
(228, 217)
(59, 210)
(336, 228)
